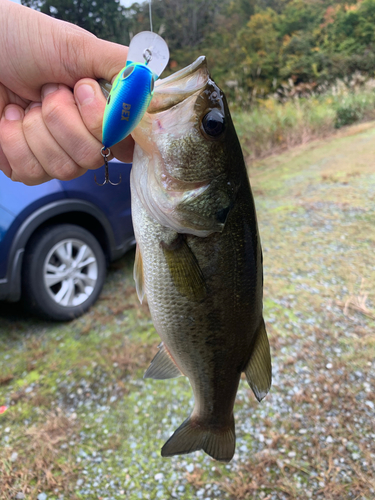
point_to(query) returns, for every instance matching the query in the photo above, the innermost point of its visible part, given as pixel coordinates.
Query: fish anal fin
(184, 268)
(220, 444)
(162, 366)
(138, 275)
(259, 369)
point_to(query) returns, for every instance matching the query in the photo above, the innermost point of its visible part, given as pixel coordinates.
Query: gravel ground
(82, 423)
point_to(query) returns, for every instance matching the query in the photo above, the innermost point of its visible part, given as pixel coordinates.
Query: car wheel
(64, 271)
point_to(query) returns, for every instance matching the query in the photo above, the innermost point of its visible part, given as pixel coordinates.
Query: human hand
(46, 130)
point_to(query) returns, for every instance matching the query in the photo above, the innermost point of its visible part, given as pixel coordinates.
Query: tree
(259, 44)
(107, 19)
(185, 22)
(252, 46)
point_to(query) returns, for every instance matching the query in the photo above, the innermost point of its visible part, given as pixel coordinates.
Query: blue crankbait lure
(127, 102)
(132, 90)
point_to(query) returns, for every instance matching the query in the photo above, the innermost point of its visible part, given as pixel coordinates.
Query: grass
(273, 125)
(83, 424)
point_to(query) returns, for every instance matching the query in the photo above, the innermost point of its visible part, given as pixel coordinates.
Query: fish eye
(213, 123)
(127, 71)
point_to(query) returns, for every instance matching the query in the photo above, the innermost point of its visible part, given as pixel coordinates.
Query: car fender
(12, 282)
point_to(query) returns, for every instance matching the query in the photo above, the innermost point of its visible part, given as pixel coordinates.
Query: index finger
(91, 104)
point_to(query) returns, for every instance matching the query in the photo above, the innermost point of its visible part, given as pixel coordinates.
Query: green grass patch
(273, 125)
(82, 423)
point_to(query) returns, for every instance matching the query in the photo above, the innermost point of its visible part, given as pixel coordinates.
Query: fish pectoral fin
(190, 436)
(138, 274)
(259, 369)
(162, 366)
(184, 268)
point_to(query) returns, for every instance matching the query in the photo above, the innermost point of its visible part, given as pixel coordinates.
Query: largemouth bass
(199, 257)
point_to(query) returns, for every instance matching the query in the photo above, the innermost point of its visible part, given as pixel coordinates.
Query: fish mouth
(179, 86)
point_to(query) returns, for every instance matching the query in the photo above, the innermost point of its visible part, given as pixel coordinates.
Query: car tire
(63, 273)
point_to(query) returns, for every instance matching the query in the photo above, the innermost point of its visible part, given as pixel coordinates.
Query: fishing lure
(132, 90)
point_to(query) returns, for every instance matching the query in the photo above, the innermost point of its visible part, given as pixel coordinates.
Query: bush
(346, 115)
(271, 125)
(354, 106)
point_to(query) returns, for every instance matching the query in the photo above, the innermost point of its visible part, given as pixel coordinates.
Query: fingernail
(35, 105)
(84, 94)
(48, 89)
(32, 105)
(12, 113)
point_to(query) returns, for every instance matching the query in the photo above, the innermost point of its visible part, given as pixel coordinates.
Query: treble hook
(106, 174)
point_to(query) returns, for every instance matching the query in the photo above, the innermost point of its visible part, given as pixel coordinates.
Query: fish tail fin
(220, 443)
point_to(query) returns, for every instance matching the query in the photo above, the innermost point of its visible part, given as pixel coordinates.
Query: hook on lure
(106, 175)
(147, 54)
(131, 92)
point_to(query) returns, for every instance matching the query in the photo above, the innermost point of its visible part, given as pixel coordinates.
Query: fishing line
(132, 90)
(147, 54)
(150, 14)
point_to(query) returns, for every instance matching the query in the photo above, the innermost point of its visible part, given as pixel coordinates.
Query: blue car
(57, 239)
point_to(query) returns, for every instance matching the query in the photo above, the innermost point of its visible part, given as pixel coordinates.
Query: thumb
(41, 50)
(96, 59)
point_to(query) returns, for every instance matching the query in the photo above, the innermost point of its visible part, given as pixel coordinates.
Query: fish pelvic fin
(138, 275)
(162, 366)
(220, 444)
(259, 369)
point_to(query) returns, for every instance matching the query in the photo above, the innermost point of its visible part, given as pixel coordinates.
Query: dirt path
(78, 405)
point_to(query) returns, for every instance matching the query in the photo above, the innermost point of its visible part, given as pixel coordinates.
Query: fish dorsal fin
(162, 366)
(259, 370)
(184, 268)
(138, 275)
